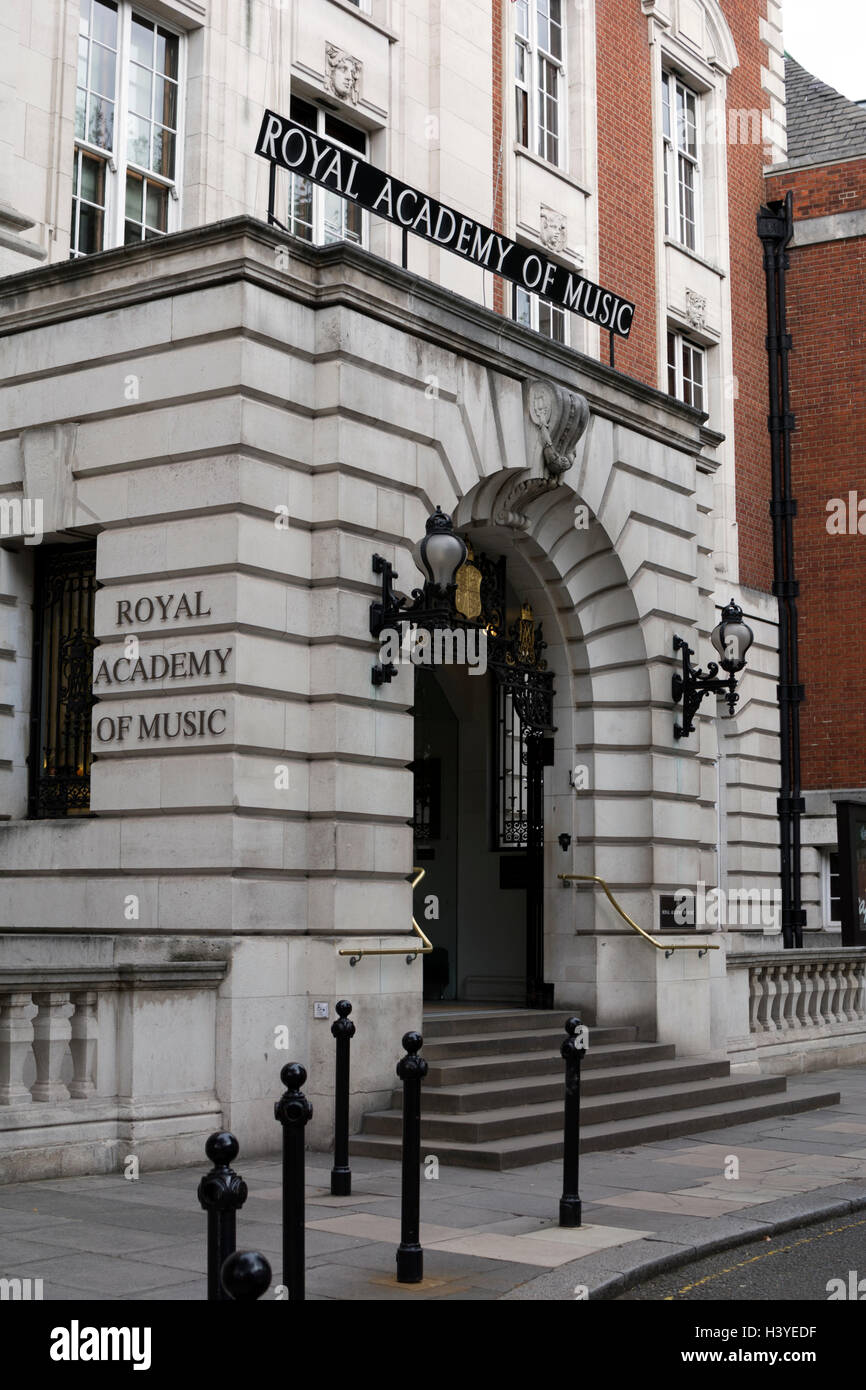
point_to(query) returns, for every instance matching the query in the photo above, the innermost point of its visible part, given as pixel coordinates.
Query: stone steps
(539, 1148)
(487, 1095)
(493, 1095)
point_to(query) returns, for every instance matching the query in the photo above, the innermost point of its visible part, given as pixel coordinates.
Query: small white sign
(581, 1037)
(320, 1011)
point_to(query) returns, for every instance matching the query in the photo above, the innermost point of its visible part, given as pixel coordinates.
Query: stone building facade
(223, 421)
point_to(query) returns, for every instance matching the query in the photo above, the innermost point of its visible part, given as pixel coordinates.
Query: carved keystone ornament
(560, 418)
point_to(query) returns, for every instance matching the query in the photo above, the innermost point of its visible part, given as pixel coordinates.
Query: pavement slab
(486, 1235)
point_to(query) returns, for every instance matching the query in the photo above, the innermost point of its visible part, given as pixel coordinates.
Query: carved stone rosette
(556, 420)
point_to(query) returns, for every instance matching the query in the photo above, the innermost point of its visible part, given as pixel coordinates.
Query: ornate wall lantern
(442, 552)
(732, 638)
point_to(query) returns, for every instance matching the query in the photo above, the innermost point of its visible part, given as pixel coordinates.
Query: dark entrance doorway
(482, 743)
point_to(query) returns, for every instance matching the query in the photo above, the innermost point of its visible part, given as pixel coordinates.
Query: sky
(828, 37)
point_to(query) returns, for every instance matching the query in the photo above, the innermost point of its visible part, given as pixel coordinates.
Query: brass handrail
(700, 947)
(356, 952)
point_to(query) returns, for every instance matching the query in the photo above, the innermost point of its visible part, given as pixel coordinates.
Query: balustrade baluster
(16, 1041)
(85, 1033)
(51, 1035)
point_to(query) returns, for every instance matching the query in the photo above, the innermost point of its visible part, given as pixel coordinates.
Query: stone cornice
(339, 274)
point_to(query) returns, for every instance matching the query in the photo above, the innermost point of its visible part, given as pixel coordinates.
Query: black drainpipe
(775, 229)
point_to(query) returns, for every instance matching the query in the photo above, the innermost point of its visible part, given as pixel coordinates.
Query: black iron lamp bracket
(385, 612)
(692, 684)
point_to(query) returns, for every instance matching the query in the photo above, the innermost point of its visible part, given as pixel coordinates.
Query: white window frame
(686, 349)
(115, 160)
(679, 151)
(826, 896)
(529, 15)
(319, 193)
(539, 309)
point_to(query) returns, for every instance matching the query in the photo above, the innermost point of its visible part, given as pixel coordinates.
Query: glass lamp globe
(442, 553)
(732, 638)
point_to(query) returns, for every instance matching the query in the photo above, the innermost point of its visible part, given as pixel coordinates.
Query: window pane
(666, 106)
(556, 28)
(83, 51)
(354, 220)
(667, 163)
(521, 18)
(131, 233)
(140, 89)
(163, 152)
(519, 62)
(165, 106)
(138, 141)
(90, 229)
(522, 116)
(104, 24)
(687, 202)
(301, 207)
(102, 61)
(333, 210)
(142, 41)
(346, 134)
(100, 122)
(672, 365)
(303, 112)
(80, 109)
(157, 206)
(167, 48)
(92, 184)
(134, 187)
(522, 307)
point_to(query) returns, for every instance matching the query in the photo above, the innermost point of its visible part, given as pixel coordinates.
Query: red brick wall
(826, 317)
(746, 192)
(626, 210)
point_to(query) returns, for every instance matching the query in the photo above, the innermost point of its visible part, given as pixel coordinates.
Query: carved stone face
(554, 229)
(343, 78)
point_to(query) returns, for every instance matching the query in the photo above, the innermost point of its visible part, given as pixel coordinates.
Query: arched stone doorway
(483, 737)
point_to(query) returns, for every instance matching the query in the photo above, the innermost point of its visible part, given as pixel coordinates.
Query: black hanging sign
(292, 146)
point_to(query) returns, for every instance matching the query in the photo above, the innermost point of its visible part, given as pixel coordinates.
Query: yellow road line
(780, 1250)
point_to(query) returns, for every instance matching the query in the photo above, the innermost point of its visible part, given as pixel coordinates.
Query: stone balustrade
(797, 1010)
(797, 992)
(50, 1025)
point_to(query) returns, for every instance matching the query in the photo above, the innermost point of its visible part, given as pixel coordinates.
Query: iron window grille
(511, 829)
(127, 128)
(319, 215)
(680, 134)
(63, 644)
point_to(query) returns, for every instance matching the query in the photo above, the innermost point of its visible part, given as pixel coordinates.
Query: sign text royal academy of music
(292, 146)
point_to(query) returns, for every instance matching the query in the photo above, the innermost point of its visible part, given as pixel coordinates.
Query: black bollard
(343, 1030)
(411, 1070)
(293, 1111)
(569, 1204)
(222, 1193)
(245, 1276)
